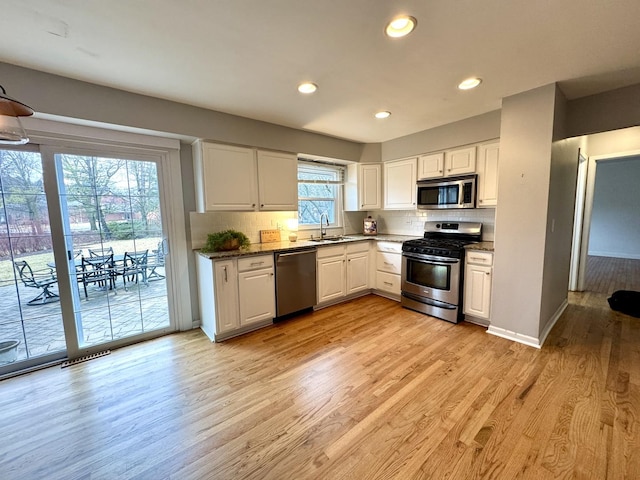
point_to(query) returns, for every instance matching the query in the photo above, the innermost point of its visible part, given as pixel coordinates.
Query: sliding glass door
(31, 326)
(115, 246)
(83, 253)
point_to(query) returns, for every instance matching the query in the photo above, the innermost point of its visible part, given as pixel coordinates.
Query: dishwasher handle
(294, 254)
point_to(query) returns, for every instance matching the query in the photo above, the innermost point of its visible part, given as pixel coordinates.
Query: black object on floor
(625, 301)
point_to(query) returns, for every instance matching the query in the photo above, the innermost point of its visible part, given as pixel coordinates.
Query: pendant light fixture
(11, 130)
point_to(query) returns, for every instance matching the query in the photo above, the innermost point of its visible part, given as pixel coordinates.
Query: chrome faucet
(323, 232)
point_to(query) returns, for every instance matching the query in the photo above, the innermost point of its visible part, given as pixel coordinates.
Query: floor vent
(68, 363)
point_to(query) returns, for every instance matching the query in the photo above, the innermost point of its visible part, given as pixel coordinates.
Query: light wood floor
(361, 390)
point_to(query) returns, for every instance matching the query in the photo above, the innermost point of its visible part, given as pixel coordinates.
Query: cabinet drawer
(388, 282)
(389, 247)
(255, 262)
(335, 251)
(389, 262)
(358, 247)
(477, 257)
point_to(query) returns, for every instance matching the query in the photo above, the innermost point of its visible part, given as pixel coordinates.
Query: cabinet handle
(262, 204)
(255, 264)
(388, 283)
(253, 204)
(388, 263)
(349, 259)
(226, 278)
(271, 274)
(476, 259)
(439, 171)
(486, 273)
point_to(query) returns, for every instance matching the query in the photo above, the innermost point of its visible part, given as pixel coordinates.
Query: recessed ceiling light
(307, 87)
(470, 83)
(401, 26)
(383, 114)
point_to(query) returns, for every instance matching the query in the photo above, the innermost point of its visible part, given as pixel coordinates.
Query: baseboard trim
(554, 319)
(527, 339)
(514, 336)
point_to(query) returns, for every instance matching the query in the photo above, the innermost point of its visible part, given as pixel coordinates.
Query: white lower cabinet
(331, 273)
(343, 270)
(389, 268)
(477, 285)
(236, 295)
(256, 289)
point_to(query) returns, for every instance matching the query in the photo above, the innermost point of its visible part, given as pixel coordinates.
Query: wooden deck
(360, 390)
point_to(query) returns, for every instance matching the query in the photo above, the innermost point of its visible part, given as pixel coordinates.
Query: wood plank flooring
(608, 274)
(363, 390)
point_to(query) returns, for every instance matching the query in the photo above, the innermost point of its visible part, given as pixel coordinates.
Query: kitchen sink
(331, 238)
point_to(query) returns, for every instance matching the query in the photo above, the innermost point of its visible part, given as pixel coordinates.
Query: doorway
(609, 253)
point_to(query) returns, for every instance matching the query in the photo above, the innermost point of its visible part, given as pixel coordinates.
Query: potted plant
(226, 240)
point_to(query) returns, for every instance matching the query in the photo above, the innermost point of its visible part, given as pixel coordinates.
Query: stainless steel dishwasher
(295, 281)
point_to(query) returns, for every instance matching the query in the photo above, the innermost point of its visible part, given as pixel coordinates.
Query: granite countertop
(486, 246)
(261, 248)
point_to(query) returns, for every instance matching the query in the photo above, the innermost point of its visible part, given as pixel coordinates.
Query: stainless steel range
(433, 268)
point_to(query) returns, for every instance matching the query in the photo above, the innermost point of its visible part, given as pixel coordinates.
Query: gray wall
(615, 218)
(603, 112)
(471, 130)
(560, 213)
(55, 95)
(521, 217)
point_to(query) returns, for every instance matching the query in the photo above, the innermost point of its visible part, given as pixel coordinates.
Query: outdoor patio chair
(100, 253)
(155, 261)
(134, 266)
(97, 270)
(41, 279)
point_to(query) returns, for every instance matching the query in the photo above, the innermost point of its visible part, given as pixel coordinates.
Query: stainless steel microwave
(449, 192)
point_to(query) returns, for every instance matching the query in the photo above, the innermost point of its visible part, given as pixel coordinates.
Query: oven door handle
(432, 260)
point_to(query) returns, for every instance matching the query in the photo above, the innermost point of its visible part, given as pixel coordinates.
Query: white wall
(615, 218)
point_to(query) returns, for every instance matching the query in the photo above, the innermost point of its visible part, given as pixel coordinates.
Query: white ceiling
(246, 57)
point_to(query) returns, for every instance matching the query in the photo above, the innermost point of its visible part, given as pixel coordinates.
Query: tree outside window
(319, 191)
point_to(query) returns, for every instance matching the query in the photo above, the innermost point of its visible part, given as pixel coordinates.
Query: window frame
(340, 172)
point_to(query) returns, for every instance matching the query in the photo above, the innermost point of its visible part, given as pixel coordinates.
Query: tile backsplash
(411, 222)
(401, 222)
(250, 223)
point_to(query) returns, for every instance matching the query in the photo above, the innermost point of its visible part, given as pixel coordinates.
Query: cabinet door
(369, 187)
(277, 181)
(331, 278)
(461, 161)
(430, 166)
(363, 188)
(357, 272)
(477, 290)
(400, 185)
(488, 174)
(226, 293)
(229, 177)
(257, 296)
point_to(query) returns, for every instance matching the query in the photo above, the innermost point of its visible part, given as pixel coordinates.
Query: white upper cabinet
(225, 177)
(488, 156)
(400, 184)
(460, 162)
(362, 189)
(244, 179)
(431, 166)
(277, 181)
